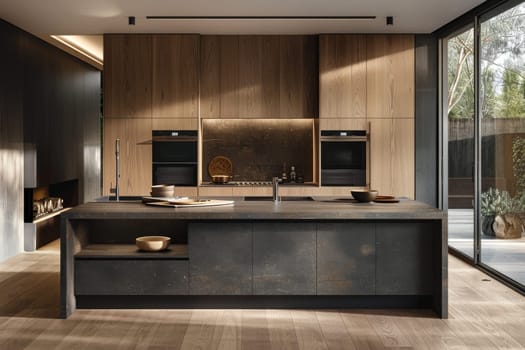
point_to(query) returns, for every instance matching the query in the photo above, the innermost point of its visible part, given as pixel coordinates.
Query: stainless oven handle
(344, 138)
(174, 139)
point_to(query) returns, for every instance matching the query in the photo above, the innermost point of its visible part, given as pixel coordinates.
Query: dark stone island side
(325, 253)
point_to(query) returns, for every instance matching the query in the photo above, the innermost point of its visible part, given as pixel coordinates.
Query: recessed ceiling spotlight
(389, 20)
(131, 20)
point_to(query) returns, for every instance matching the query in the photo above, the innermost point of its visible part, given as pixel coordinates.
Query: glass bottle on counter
(292, 174)
(284, 176)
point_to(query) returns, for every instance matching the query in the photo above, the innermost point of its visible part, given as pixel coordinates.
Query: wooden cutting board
(190, 203)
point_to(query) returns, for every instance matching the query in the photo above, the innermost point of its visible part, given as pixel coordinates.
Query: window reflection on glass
(460, 101)
(502, 107)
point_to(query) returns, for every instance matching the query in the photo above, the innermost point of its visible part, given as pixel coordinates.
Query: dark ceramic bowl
(364, 196)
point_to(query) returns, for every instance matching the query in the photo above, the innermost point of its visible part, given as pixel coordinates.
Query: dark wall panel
(61, 118)
(49, 126)
(11, 144)
(427, 162)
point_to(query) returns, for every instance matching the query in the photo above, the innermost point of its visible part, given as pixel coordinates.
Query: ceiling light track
(262, 17)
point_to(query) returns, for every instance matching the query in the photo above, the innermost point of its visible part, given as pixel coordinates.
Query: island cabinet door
(404, 258)
(346, 259)
(284, 258)
(131, 277)
(220, 258)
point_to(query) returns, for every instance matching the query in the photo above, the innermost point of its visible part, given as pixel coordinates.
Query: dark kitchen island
(322, 253)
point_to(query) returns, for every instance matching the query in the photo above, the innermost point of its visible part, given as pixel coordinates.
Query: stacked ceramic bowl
(162, 191)
(364, 196)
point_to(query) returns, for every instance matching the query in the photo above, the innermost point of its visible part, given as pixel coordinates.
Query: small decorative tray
(220, 165)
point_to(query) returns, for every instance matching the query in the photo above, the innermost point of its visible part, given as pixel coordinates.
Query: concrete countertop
(322, 208)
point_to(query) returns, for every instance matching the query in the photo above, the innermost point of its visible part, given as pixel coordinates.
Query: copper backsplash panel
(258, 148)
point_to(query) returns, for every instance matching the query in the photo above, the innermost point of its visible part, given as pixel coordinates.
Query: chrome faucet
(116, 190)
(275, 188)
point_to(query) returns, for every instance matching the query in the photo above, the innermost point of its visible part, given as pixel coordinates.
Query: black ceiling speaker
(131, 20)
(389, 20)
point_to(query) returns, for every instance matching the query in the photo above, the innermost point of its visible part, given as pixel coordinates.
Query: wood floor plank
(361, 331)
(334, 330)
(388, 331)
(254, 333)
(201, 329)
(171, 326)
(281, 329)
(308, 330)
(141, 325)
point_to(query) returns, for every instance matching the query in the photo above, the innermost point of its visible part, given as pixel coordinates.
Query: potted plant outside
(505, 213)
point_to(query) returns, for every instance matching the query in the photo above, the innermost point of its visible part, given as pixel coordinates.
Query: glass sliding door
(460, 125)
(502, 128)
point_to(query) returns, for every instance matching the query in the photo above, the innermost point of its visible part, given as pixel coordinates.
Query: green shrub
(496, 202)
(518, 163)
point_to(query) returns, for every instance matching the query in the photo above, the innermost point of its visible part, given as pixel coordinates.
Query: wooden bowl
(220, 179)
(162, 191)
(364, 196)
(152, 243)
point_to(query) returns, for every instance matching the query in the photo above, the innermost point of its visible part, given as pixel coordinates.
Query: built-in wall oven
(344, 157)
(174, 157)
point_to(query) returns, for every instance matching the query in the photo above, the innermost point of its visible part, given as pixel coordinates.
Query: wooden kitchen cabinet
(220, 258)
(298, 85)
(390, 76)
(258, 76)
(127, 75)
(135, 155)
(342, 76)
(392, 157)
(175, 82)
(284, 258)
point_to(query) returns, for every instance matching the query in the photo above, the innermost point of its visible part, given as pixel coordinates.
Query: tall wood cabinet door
(381, 172)
(127, 76)
(390, 76)
(220, 258)
(403, 258)
(346, 259)
(403, 158)
(219, 76)
(175, 88)
(135, 155)
(392, 157)
(258, 83)
(284, 259)
(298, 86)
(342, 76)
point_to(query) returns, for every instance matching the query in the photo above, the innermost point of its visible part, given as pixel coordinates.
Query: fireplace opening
(42, 208)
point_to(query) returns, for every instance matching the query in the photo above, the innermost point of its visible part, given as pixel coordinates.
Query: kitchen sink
(283, 198)
(121, 198)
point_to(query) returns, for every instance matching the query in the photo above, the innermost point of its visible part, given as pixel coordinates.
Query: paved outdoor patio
(506, 256)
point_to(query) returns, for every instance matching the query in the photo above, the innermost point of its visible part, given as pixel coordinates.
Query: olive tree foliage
(502, 68)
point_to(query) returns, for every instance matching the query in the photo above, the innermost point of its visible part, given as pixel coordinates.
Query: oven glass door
(343, 155)
(174, 151)
(175, 174)
(343, 163)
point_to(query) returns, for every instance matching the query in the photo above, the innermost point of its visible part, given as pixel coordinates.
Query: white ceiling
(82, 21)
(80, 17)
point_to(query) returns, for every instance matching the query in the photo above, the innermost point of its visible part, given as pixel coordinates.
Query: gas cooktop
(250, 183)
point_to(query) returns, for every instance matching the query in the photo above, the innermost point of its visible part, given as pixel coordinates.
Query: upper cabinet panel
(342, 76)
(253, 76)
(390, 76)
(127, 75)
(175, 76)
(299, 76)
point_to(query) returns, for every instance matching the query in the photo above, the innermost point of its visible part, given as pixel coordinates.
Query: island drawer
(131, 277)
